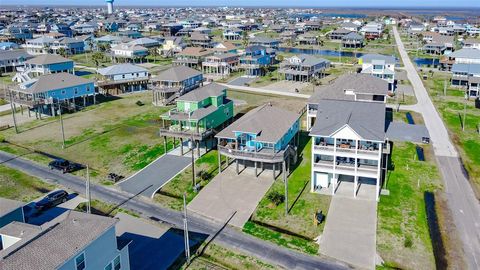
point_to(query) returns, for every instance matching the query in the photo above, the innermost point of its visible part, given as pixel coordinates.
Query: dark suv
(63, 165)
(51, 200)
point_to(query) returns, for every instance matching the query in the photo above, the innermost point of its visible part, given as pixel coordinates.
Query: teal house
(265, 136)
(198, 114)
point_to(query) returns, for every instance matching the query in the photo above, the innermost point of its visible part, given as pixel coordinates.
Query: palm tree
(62, 51)
(96, 58)
(245, 39)
(153, 52)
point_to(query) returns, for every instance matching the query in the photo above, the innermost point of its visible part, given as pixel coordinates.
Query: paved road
(228, 236)
(461, 199)
(150, 179)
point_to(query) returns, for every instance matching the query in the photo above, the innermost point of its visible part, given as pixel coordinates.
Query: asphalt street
(228, 236)
(461, 199)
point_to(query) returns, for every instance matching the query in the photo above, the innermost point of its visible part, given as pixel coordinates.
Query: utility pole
(464, 110)
(192, 148)
(445, 88)
(61, 123)
(285, 180)
(87, 192)
(185, 230)
(13, 111)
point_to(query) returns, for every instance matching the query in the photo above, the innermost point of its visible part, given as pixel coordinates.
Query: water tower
(109, 6)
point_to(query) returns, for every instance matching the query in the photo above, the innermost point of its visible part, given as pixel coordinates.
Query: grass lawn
(85, 59)
(116, 136)
(403, 238)
(171, 195)
(302, 204)
(451, 108)
(16, 185)
(218, 257)
(103, 209)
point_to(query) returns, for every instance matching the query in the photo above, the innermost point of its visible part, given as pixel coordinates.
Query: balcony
(261, 155)
(186, 133)
(370, 150)
(346, 168)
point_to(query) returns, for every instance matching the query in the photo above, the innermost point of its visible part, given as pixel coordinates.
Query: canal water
(334, 53)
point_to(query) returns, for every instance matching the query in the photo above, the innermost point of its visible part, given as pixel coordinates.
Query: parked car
(51, 200)
(63, 165)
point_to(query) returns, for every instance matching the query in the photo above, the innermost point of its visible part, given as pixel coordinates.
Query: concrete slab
(241, 81)
(350, 231)
(152, 246)
(399, 131)
(288, 86)
(231, 194)
(404, 89)
(151, 178)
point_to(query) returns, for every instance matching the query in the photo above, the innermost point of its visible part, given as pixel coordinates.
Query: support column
(219, 162)
(256, 171)
(355, 185)
(198, 148)
(273, 170)
(181, 146)
(236, 161)
(165, 144)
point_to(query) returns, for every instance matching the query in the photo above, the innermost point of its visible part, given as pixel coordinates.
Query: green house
(198, 114)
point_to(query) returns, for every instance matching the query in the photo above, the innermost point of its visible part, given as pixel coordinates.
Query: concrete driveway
(231, 194)
(399, 131)
(241, 81)
(151, 178)
(350, 231)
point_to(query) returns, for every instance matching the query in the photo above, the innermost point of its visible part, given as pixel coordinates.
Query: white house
(348, 147)
(381, 66)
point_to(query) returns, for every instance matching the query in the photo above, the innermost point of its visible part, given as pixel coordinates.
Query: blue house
(19, 32)
(265, 136)
(62, 29)
(175, 82)
(256, 60)
(10, 211)
(73, 241)
(45, 93)
(42, 65)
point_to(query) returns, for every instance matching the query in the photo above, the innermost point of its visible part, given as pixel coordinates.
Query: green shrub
(276, 197)
(408, 243)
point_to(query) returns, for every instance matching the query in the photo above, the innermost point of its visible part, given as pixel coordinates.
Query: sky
(299, 3)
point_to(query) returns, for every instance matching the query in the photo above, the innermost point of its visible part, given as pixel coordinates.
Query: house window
(108, 266)
(116, 263)
(88, 88)
(63, 92)
(80, 261)
(75, 90)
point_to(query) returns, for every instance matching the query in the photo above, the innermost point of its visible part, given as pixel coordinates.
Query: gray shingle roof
(46, 59)
(121, 69)
(310, 60)
(270, 123)
(14, 54)
(177, 74)
(70, 234)
(56, 81)
(199, 94)
(467, 68)
(466, 53)
(367, 119)
(368, 58)
(357, 82)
